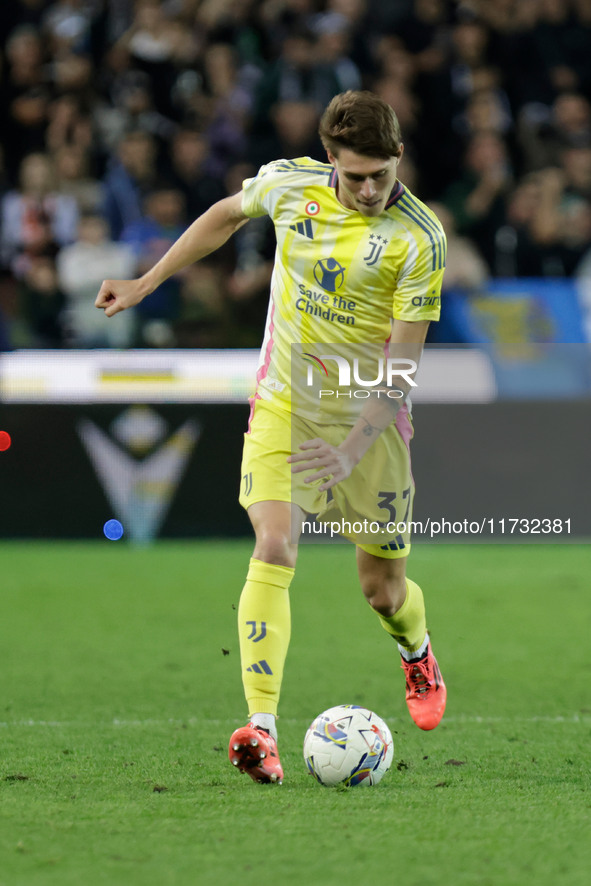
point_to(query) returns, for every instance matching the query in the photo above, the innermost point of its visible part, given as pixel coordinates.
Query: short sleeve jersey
(339, 276)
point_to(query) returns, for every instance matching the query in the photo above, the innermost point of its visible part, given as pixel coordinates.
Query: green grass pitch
(120, 686)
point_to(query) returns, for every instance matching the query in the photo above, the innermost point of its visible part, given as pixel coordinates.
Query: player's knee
(274, 545)
(385, 596)
(382, 605)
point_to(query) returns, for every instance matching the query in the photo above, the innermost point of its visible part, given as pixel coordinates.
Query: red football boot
(254, 751)
(425, 690)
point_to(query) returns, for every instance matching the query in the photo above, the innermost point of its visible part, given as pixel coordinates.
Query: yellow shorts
(373, 506)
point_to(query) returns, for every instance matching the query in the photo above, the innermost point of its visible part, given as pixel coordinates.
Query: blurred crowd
(122, 120)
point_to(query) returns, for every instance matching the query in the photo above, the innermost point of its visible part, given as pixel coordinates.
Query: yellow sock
(264, 629)
(408, 625)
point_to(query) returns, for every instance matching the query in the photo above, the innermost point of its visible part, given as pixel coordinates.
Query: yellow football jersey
(339, 276)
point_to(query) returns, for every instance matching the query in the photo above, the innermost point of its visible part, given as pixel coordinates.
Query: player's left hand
(328, 462)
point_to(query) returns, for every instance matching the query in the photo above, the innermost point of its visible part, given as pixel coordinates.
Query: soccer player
(359, 260)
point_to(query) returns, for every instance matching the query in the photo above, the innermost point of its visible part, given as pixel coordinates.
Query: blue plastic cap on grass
(113, 530)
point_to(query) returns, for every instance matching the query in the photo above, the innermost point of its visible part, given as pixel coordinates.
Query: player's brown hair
(361, 122)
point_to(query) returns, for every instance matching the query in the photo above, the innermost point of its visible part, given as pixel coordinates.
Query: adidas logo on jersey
(304, 227)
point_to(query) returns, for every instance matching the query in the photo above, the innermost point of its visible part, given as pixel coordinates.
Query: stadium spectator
(297, 76)
(24, 97)
(133, 99)
(446, 89)
(515, 50)
(477, 199)
(545, 131)
(517, 254)
(547, 229)
(363, 27)
(67, 24)
(423, 31)
(444, 92)
(72, 74)
(563, 44)
(42, 304)
(487, 109)
(72, 172)
(189, 151)
(151, 42)
(295, 126)
(561, 225)
(131, 174)
(333, 41)
(395, 61)
(36, 218)
(393, 91)
(149, 238)
(395, 84)
(68, 125)
(228, 105)
(81, 267)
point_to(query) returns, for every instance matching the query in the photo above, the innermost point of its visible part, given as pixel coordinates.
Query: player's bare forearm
(334, 463)
(406, 346)
(204, 236)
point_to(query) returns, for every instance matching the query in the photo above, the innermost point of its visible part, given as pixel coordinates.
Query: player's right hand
(117, 295)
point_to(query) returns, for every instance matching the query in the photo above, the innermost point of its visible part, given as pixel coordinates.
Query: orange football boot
(425, 690)
(254, 751)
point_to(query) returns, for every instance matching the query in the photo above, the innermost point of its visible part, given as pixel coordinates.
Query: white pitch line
(571, 719)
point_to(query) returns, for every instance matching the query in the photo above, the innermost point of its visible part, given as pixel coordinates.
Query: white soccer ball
(348, 745)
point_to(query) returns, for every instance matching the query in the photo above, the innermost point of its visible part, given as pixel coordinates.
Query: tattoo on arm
(369, 428)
